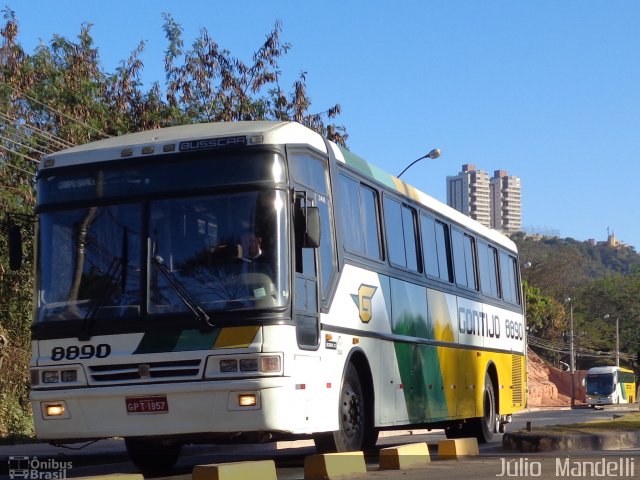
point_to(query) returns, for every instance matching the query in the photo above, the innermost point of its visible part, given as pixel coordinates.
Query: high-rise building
(506, 202)
(495, 202)
(468, 192)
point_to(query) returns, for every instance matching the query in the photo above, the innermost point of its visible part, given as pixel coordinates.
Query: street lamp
(572, 362)
(435, 153)
(606, 317)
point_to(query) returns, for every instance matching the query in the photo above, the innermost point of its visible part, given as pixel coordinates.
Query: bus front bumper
(251, 405)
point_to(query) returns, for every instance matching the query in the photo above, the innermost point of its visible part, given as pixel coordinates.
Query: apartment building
(495, 202)
(469, 193)
(506, 202)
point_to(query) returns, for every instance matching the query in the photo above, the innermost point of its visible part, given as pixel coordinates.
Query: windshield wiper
(114, 273)
(181, 291)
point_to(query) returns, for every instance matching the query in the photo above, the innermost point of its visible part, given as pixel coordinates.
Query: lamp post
(435, 153)
(606, 317)
(572, 362)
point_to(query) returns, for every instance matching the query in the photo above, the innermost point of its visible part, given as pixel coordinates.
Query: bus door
(316, 265)
(305, 301)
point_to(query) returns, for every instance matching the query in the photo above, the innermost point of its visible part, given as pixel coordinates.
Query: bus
(252, 281)
(610, 385)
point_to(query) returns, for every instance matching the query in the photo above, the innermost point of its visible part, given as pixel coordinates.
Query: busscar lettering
(209, 143)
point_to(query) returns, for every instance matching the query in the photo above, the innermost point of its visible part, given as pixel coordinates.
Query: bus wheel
(355, 426)
(484, 426)
(152, 456)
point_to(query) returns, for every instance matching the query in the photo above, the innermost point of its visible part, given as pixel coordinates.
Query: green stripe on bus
(176, 341)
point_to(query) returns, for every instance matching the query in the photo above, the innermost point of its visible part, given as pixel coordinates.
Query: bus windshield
(600, 384)
(223, 252)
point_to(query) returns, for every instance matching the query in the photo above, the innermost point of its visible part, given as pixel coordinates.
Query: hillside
(542, 390)
(588, 260)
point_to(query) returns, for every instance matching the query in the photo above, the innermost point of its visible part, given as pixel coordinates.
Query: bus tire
(485, 426)
(152, 456)
(356, 430)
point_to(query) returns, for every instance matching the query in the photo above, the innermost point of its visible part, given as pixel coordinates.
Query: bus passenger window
(370, 217)
(403, 249)
(359, 218)
(488, 264)
(436, 251)
(508, 271)
(349, 213)
(464, 259)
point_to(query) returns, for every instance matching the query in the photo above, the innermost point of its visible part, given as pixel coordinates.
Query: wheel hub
(351, 411)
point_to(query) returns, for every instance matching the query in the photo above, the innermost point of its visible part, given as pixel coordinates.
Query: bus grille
(148, 372)
(516, 379)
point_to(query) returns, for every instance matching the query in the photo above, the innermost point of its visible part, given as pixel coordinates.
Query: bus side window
(436, 250)
(508, 277)
(400, 225)
(359, 218)
(464, 259)
(488, 265)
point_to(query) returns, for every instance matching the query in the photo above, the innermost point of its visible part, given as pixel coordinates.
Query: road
(109, 456)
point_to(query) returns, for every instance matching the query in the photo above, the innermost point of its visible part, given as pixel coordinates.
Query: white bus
(610, 385)
(252, 281)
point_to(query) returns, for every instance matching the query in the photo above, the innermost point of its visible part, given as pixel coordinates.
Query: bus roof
(153, 142)
(607, 369)
(171, 139)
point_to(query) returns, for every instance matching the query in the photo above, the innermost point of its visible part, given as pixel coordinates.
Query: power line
(7, 164)
(562, 348)
(15, 132)
(23, 145)
(69, 117)
(20, 154)
(37, 131)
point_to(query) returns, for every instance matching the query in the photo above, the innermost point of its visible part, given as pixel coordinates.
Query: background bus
(252, 281)
(610, 385)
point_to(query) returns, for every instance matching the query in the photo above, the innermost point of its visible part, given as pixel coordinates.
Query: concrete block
(334, 465)
(404, 456)
(258, 470)
(458, 447)
(114, 476)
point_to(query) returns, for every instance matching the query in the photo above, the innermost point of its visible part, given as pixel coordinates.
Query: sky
(548, 90)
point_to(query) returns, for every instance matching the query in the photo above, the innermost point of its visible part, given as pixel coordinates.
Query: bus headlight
(52, 377)
(243, 365)
(249, 365)
(229, 365)
(271, 363)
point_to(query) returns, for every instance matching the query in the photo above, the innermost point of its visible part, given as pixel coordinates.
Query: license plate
(154, 404)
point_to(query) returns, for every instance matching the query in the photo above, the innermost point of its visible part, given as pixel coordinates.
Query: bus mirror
(15, 247)
(312, 234)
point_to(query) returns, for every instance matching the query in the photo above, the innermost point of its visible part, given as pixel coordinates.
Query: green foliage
(600, 280)
(545, 316)
(60, 96)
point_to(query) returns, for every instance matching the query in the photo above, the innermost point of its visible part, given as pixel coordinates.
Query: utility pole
(606, 317)
(572, 352)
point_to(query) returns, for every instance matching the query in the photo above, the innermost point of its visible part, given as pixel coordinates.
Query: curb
(531, 442)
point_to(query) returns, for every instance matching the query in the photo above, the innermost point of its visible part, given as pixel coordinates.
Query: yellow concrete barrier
(332, 465)
(114, 476)
(258, 470)
(404, 456)
(458, 447)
